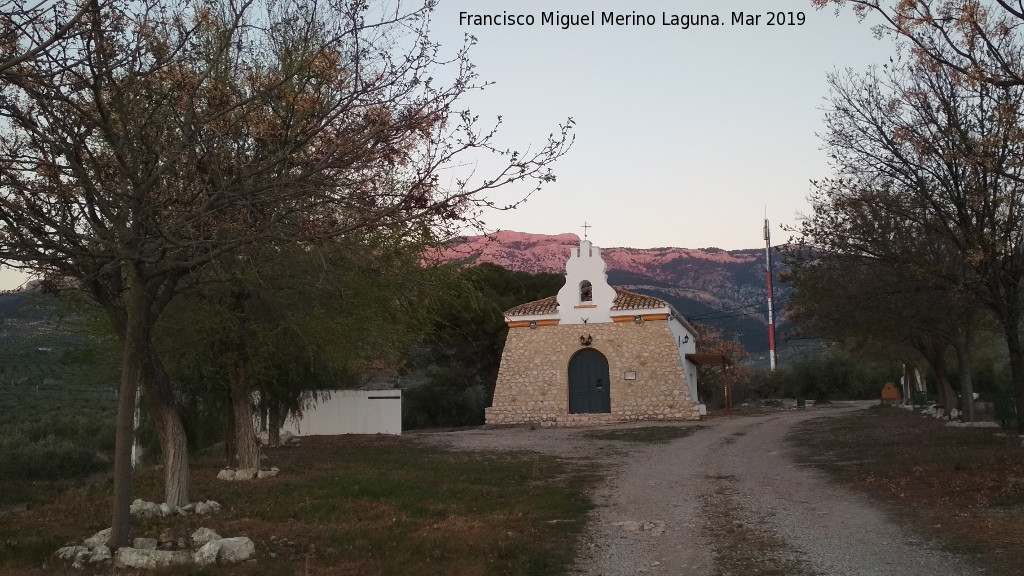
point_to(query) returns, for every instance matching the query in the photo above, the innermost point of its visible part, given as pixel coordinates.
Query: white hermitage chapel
(595, 354)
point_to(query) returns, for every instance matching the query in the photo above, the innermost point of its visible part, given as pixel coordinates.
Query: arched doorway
(589, 390)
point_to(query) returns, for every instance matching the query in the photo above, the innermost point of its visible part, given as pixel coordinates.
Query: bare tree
(30, 28)
(976, 38)
(156, 137)
(939, 152)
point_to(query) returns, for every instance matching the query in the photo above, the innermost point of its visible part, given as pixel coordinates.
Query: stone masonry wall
(533, 380)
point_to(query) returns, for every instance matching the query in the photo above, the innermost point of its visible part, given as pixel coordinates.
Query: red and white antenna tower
(771, 302)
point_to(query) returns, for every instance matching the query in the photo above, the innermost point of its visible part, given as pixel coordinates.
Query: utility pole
(771, 303)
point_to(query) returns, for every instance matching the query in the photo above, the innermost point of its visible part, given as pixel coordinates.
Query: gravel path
(727, 499)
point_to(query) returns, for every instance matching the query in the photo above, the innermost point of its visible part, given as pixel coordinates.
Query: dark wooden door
(589, 391)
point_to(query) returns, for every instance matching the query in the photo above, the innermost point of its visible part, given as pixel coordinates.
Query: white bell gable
(586, 298)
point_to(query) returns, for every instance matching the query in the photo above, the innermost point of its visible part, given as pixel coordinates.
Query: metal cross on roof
(585, 226)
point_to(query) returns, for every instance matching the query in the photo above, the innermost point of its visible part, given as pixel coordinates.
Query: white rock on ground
(207, 554)
(225, 550)
(150, 559)
(144, 509)
(238, 549)
(99, 554)
(144, 553)
(70, 552)
(245, 473)
(203, 535)
(985, 424)
(208, 507)
(100, 538)
(79, 563)
(268, 473)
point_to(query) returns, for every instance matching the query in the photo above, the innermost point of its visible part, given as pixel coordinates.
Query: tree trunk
(131, 363)
(918, 382)
(229, 434)
(174, 445)
(905, 383)
(159, 398)
(120, 525)
(965, 366)
(946, 395)
(274, 425)
(1016, 352)
(247, 445)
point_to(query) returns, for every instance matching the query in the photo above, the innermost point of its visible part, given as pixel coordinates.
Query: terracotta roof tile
(547, 305)
(624, 300)
(632, 301)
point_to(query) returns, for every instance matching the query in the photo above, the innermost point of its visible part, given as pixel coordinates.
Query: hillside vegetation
(58, 422)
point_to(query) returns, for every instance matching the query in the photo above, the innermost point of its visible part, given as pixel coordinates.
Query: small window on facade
(586, 291)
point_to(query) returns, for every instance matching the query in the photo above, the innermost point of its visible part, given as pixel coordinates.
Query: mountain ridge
(723, 288)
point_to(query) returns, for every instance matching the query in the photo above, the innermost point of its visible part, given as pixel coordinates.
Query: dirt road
(727, 499)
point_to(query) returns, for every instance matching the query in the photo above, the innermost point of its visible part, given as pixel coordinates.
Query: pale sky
(684, 137)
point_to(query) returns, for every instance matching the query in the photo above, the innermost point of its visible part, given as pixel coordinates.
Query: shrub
(444, 401)
(835, 374)
(49, 458)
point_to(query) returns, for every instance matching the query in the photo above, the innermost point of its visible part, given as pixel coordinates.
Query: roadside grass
(351, 505)
(963, 487)
(643, 434)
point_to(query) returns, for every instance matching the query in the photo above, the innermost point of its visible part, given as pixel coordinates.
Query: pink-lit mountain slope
(718, 287)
